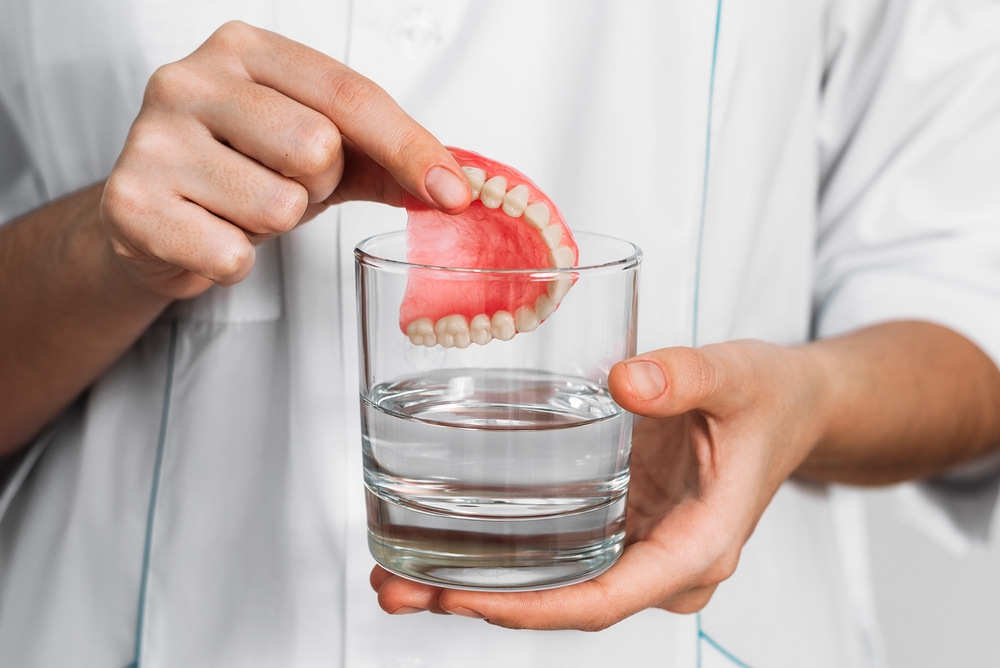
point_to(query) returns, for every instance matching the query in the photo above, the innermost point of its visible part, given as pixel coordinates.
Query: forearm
(901, 401)
(69, 310)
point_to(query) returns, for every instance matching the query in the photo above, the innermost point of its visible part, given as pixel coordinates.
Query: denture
(511, 224)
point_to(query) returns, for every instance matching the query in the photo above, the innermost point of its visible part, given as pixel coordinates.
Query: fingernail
(465, 612)
(647, 379)
(406, 610)
(446, 188)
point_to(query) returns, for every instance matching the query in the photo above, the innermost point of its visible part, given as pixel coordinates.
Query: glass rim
(366, 258)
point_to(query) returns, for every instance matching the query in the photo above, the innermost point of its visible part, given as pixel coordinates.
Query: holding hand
(246, 138)
(724, 426)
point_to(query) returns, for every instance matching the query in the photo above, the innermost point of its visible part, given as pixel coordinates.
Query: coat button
(415, 33)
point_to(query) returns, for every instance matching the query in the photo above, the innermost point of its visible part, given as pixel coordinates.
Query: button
(415, 33)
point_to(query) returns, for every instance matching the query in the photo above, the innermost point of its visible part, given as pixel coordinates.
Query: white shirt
(790, 168)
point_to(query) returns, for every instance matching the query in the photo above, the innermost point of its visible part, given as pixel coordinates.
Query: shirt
(791, 168)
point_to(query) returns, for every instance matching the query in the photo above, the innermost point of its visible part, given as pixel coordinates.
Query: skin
(253, 134)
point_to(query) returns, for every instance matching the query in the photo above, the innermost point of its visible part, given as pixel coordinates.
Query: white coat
(791, 168)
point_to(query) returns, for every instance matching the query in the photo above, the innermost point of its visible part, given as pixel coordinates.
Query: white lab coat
(790, 167)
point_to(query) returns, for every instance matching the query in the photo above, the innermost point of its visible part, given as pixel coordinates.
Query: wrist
(824, 379)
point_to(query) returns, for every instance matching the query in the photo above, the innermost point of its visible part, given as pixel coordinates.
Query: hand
(725, 425)
(243, 140)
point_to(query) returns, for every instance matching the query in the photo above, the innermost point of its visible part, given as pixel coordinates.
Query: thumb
(670, 381)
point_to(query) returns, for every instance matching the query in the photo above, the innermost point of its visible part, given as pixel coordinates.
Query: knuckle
(320, 149)
(698, 371)
(287, 208)
(694, 602)
(233, 33)
(723, 568)
(349, 93)
(231, 265)
(167, 85)
(121, 198)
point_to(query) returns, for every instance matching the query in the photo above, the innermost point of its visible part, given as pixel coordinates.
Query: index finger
(361, 110)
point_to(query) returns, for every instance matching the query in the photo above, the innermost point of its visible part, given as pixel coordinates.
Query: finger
(365, 180)
(670, 381)
(643, 576)
(238, 189)
(378, 577)
(278, 132)
(360, 109)
(174, 230)
(398, 595)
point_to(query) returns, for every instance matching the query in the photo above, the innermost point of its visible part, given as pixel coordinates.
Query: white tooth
(493, 192)
(561, 257)
(544, 306)
(458, 327)
(477, 178)
(419, 330)
(552, 235)
(525, 319)
(479, 329)
(537, 215)
(558, 288)
(503, 326)
(444, 337)
(515, 200)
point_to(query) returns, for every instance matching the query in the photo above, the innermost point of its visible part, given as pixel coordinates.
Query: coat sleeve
(910, 200)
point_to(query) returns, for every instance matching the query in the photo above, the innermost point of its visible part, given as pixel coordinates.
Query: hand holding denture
(243, 140)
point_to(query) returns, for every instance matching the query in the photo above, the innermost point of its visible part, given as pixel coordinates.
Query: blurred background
(936, 608)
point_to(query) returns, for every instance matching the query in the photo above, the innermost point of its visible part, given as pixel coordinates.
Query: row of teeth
(455, 331)
(494, 195)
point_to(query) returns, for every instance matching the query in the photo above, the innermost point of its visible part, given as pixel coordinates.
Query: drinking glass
(502, 466)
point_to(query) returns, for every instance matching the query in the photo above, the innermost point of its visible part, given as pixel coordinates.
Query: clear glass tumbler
(502, 466)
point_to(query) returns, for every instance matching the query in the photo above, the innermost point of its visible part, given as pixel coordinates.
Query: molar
(477, 178)
(503, 326)
(537, 215)
(515, 200)
(552, 235)
(480, 329)
(562, 257)
(493, 192)
(453, 331)
(525, 319)
(421, 332)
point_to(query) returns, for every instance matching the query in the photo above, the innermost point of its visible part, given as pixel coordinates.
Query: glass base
(490, 555)
(455, 572)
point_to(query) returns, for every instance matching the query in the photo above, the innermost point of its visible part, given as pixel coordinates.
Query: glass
(502, 466)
